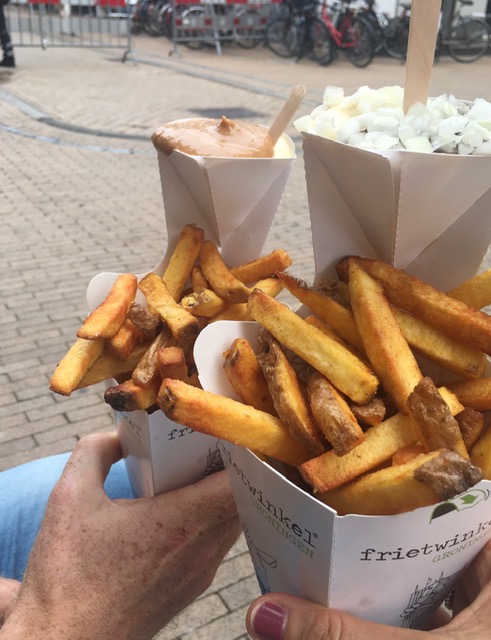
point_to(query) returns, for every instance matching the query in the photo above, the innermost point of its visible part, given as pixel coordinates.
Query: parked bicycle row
(315, 29)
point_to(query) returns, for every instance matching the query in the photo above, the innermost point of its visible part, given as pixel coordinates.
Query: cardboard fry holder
(392, 569)
(422, 212)
(234, 201)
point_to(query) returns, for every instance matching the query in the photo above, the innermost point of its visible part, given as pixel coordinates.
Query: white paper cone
(425, 213)
(234, 200)
(395, 570)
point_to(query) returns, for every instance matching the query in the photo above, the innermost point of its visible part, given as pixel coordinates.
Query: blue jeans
(24, 492)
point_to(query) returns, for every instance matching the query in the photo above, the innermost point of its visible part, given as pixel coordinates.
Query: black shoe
(8, 61)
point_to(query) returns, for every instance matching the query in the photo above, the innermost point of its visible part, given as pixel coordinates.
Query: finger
(90, 462)
(278, 616)
(9, 590)
(476, 582)
(209, 501)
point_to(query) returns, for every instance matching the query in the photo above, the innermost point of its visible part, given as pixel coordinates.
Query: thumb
(278, 616)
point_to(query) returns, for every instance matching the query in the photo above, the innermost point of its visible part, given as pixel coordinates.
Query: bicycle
(467, 38)
(390, 35)
(298, 33)
(349, 31)
(152, 16)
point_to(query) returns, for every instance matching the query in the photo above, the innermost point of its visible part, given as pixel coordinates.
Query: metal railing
(71, 23)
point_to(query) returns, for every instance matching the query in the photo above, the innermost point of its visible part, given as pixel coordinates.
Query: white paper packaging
(427, 213)
(395, 570)
(216, 195)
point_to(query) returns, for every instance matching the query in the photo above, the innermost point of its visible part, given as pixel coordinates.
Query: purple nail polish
(269, 621)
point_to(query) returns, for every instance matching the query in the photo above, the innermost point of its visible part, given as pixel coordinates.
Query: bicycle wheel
(396, 38)
(191, 19)
(283, 38)
(320, 41)
(160, 20)
(246, 32)
(362, 48)
(469, 40)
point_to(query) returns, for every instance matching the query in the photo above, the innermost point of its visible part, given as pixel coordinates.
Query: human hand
(277, 616)
(119, 569)
(9, 590)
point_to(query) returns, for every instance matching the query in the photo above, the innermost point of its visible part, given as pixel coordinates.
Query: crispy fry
(387, 349)
(183, 325)
(473, 393)
(333, 415)
(106, 319)
(147, 368)
(182, 260)
(481, 453)
(246, 377)
(475, 292)
(171, 362)
(326, 308)
(108, 366)
(453, 317)
(422, 481)
(347, 372)
(381, 442)
(219, 276)
(204, 302)
(288, 398)
(125, 341)
(146, 319)
(471, 425)
(262, 267)
(75, 364)
(408, 453)
(230, 420)
(238, 312)
(373, 412)
(440, 348)
(435, 425)
(128, 396)
(198, 280)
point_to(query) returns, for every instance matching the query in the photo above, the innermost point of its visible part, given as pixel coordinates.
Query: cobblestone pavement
(80, 194)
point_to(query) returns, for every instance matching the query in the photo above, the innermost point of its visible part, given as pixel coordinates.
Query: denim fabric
(24, 492)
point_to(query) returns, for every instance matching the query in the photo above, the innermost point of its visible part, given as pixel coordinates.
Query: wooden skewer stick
(423, 31)
(287, 112)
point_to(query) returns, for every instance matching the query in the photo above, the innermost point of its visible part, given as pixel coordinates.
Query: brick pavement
(84, 196)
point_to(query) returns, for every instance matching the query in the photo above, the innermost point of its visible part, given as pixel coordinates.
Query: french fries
(183, 259)
(475, 292)
(106, 319)
(288, 397)
(183, 325)
(246, 376)
(381, 442)
(263, 267)
(339, 365)
(75, 364)
(123, 337)
(435, 424)
(453, 317)
(341, 397)
(423, 480)
(386, 348)
(333, 414)
(226, 285)
(230, 420)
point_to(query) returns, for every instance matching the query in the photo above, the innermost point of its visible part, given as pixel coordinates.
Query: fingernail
(268, 621)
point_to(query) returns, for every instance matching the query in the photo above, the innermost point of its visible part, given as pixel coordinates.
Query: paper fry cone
(395, 570)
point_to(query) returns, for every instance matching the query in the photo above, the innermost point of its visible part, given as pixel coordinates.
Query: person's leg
(24, 492)
(5, 42)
